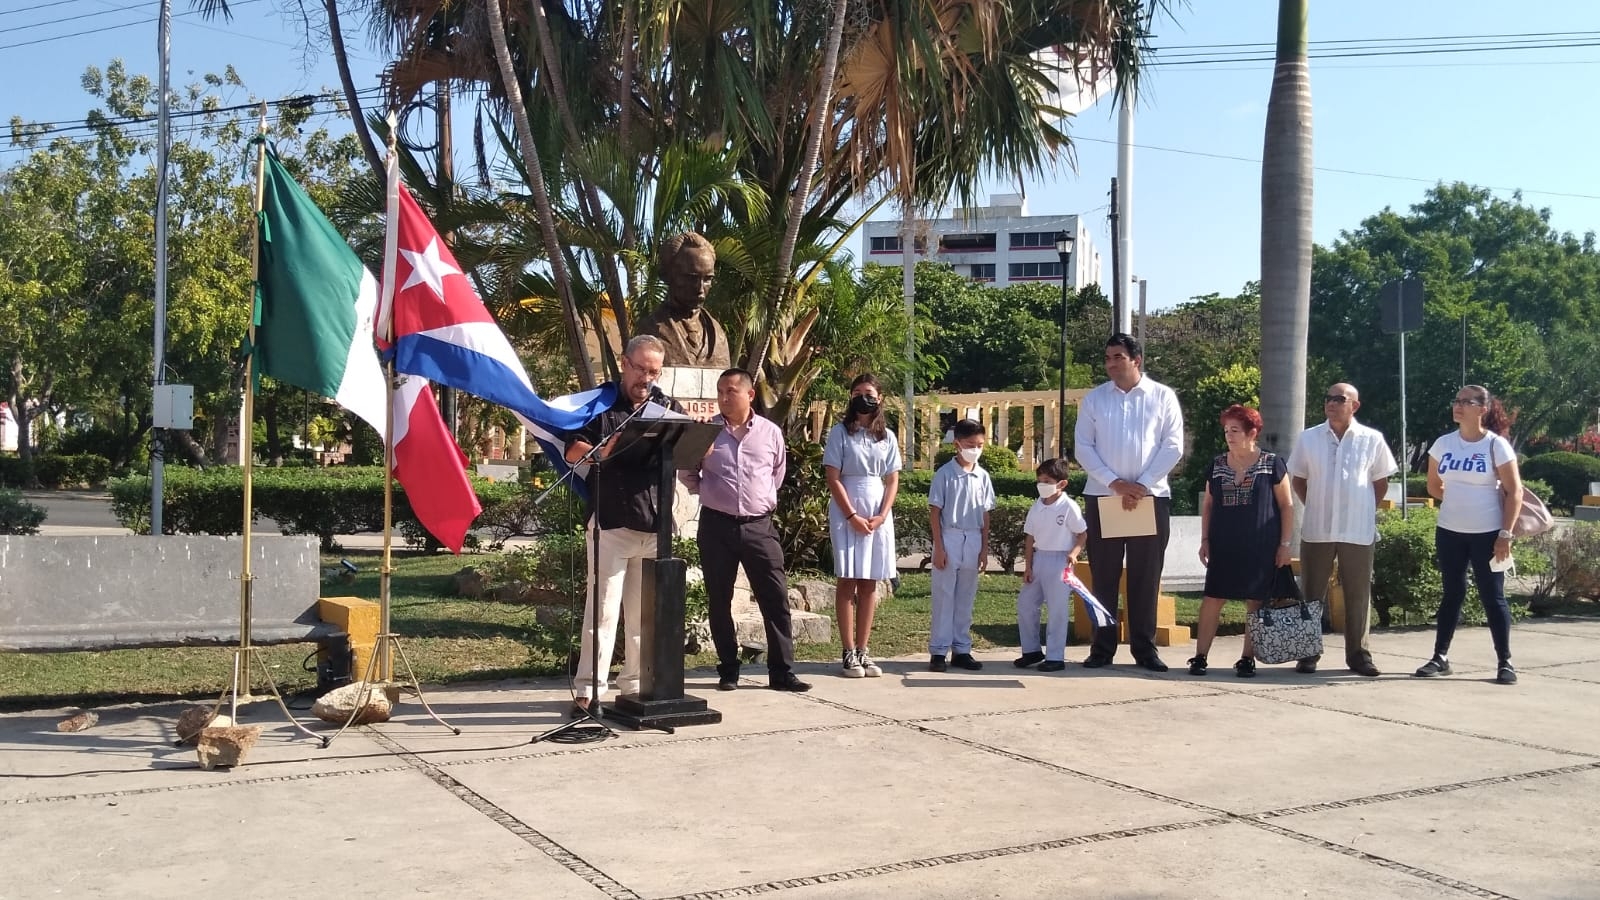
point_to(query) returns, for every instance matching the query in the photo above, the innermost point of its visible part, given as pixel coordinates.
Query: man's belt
(742, 520)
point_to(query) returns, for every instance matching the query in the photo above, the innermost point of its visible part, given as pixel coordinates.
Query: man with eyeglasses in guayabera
(1340, 470)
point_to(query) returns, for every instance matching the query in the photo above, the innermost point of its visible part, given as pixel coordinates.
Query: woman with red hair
(1246, 524)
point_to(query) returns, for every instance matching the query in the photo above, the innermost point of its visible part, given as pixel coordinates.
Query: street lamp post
(1064, 250)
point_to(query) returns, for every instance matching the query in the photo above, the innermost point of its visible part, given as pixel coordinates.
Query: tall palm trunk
(757, 355)
(347, 82)
(588, 195)
(541, 196)
(1286, 182)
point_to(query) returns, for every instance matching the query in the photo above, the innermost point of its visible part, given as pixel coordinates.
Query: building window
(983, 272)
(892, 245)
(967, 243)
(1035, 270)
(1042, 240)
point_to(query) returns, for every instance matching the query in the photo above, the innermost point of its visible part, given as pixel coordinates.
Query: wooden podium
(660, 703)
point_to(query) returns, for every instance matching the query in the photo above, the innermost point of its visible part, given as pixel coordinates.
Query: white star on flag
(428, 268)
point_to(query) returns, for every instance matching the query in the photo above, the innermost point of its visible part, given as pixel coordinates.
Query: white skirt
(856, 555)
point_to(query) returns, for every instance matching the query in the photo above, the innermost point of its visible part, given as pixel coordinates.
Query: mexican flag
(315, 304)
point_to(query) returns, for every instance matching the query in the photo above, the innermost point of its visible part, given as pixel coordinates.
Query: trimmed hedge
(54, 470)
(1405, 575)
(913, 534)
(1567, 474)
(324, 502)
(1016, 483)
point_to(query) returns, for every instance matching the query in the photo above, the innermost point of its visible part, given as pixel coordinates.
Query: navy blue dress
(1245, 528)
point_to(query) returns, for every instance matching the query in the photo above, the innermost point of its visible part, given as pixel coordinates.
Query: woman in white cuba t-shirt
(1472, 471)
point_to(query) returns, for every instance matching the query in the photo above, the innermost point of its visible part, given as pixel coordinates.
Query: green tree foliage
(77, 263)
(1526, 294)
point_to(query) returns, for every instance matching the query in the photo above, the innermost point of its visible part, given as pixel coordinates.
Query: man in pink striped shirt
(738, 484)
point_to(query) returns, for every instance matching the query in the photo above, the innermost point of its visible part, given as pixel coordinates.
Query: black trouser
(1455, 552)
(1145, 557)
(726, 542)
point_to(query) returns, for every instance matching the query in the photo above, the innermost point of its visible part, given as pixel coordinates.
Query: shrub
(1567, 474)
(556, 563)
(995, 457)
(18, 516)
(78, 470)
(324, 502)
(913, 535)
(1572, 570)
(1405, 572)
(16, 472)
(1015, 483)
(801, 517)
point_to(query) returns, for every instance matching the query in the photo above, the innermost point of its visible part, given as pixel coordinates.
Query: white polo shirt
(1339, 472)
(1132, 435)
(1054, 527)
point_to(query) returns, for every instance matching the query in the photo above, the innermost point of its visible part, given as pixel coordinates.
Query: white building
(998, 244)
(8, 429)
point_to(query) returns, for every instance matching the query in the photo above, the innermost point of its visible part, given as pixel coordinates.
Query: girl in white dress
(862, 462)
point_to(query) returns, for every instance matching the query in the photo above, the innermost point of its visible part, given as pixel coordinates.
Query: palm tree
(1286, 182)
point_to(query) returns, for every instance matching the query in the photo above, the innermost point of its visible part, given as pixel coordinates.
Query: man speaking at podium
(738, 484)
(623, 490)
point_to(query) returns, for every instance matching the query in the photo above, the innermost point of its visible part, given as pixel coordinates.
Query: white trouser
(622, 553)
(955, 588)
(1047, 591)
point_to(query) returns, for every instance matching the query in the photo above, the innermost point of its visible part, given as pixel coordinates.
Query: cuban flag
(443, 332)
(1097, 611)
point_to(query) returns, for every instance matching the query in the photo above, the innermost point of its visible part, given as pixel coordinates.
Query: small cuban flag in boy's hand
(1097, 611)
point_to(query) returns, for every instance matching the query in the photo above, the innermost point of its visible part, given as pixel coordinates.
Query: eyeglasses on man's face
(1335, 398)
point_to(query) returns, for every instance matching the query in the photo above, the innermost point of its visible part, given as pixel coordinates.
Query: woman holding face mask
(862, 462)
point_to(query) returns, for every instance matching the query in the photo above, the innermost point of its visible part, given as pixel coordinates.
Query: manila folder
(1116, 522)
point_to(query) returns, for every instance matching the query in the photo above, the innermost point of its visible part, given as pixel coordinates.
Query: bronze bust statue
(693, 338)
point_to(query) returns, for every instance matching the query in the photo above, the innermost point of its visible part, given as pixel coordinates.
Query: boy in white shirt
(959, 500)
(1056, 533)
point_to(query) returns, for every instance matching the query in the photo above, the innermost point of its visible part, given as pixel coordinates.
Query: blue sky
(1523, 119)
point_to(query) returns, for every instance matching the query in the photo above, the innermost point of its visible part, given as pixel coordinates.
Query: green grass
(451, 639)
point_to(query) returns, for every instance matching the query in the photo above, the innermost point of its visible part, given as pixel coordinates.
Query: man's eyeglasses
(1466, 401)
(1335, 398)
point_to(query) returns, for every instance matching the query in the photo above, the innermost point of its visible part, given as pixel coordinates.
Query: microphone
(658, 396)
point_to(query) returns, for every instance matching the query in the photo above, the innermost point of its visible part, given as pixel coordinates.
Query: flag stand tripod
(381, 660)
(247, 656)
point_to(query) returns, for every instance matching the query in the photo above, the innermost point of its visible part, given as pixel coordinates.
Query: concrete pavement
(1110, 783)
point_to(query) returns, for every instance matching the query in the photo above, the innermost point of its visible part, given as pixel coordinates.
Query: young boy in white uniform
(959, 501)
(1056, 533)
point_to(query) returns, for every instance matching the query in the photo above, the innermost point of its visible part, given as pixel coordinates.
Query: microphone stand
(591, 713)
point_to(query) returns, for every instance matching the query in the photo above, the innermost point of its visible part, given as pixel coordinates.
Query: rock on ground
(226, 747)
(336, 705)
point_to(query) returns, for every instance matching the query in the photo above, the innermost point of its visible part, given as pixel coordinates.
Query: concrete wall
(98, 592)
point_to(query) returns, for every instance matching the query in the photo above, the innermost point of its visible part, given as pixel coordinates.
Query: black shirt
(624, 488)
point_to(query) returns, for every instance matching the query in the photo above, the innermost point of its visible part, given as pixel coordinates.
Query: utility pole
(1117, 290)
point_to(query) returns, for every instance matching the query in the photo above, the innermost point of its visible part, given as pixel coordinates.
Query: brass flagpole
(247, 657)
(381, 661)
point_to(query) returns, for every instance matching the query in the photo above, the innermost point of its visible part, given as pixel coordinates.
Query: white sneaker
(868, 667)
(852, 665)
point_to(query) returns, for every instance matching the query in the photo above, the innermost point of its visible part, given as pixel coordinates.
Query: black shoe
(1507, 674)
(1245, 667)
(1434, 668)
(788, 682)
(1306, 667)
(1052, 665)
(1197, 665)
(1153, 663)
(1366, 668)
(1097, 660)
(965, 661)
(578, 712)
(1031, 658)
(726, 683)
(937, 663)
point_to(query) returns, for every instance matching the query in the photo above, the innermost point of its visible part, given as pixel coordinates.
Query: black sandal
(1197, 665)
(1245, 667)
